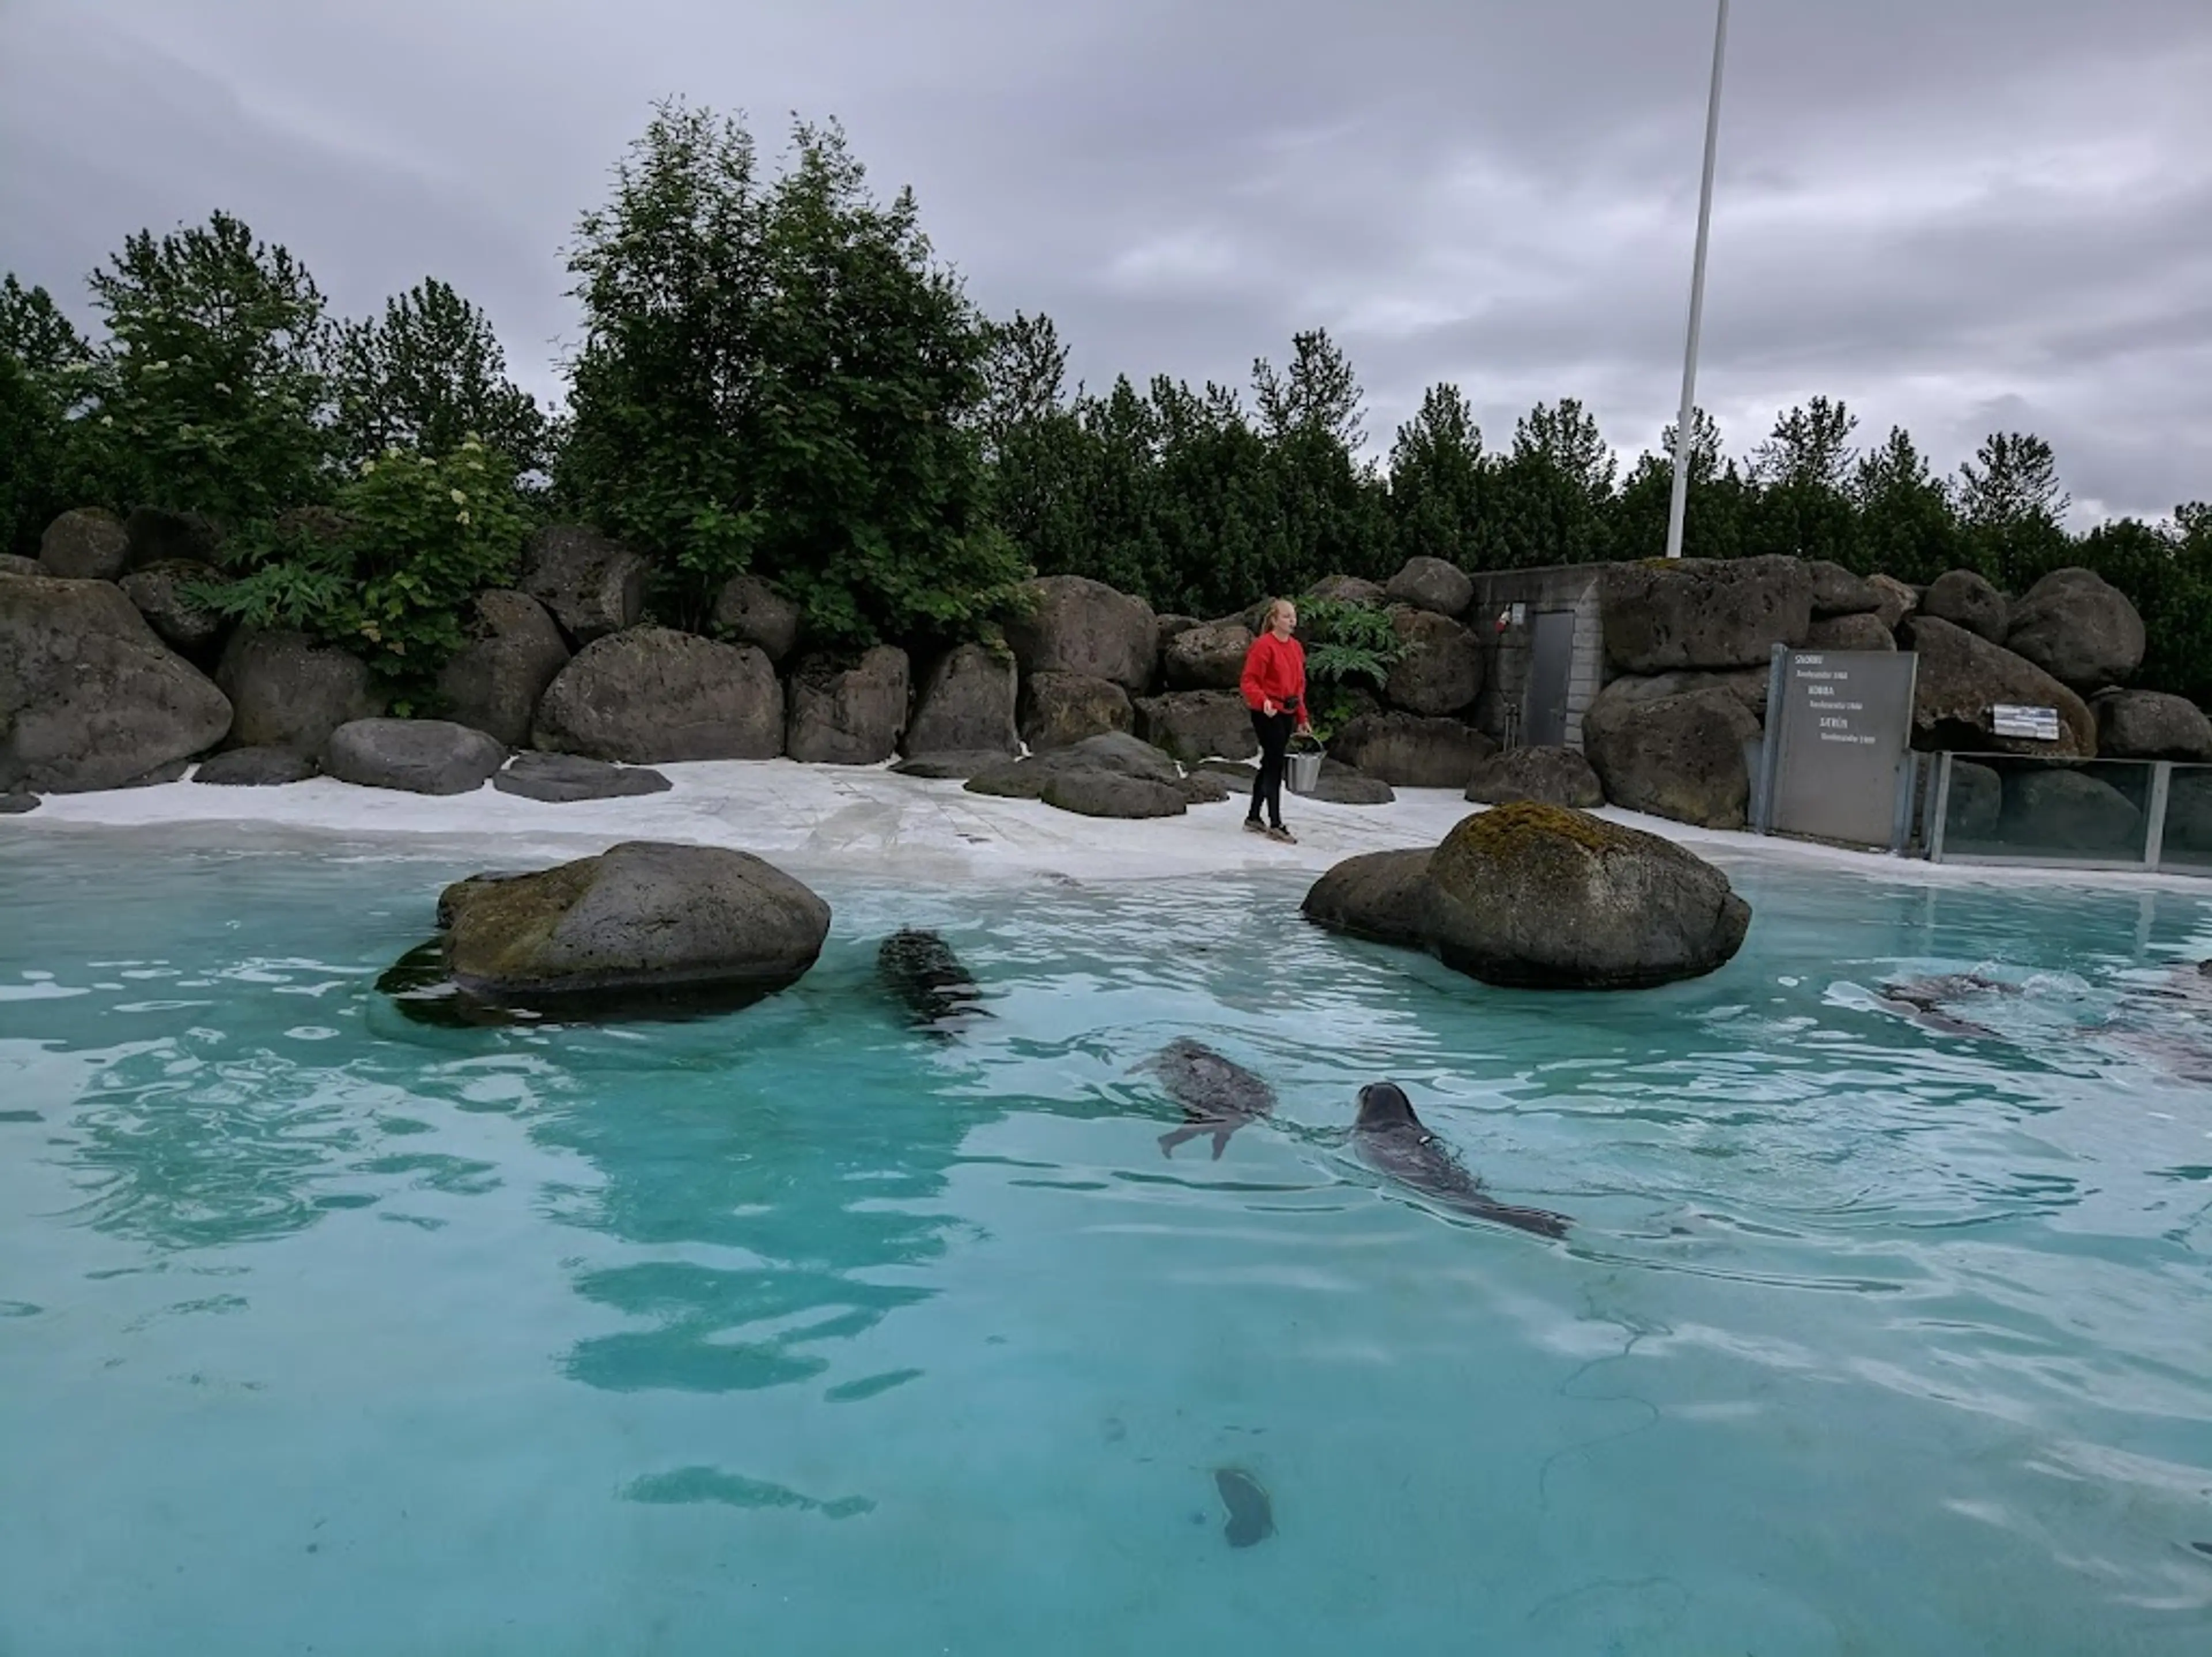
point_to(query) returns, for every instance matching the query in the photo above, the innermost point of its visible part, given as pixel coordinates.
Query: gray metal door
(1551, 667)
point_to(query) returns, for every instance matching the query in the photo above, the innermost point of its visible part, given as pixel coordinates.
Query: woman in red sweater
(1274, 686)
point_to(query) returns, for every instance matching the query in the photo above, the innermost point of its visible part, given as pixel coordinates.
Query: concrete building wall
(1572, 587)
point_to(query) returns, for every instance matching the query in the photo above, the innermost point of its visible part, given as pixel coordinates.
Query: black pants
(1274, 731)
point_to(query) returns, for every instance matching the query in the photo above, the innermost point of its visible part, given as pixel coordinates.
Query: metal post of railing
(1939, 807)
(2161, 789)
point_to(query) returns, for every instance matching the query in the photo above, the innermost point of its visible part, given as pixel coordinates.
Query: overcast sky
(1958, 216)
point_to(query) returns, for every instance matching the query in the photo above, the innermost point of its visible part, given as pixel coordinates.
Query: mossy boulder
(645, 927)
(1535, 896)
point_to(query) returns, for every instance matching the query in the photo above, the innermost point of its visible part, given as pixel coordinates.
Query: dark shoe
(1254, 826)
(1278, 832)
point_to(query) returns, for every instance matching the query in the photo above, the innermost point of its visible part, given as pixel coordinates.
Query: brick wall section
(1570, 587)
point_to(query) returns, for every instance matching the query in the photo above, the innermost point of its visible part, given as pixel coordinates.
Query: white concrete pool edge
(867, 820)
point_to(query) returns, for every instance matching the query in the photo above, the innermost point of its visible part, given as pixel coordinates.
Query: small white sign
(2037, 724)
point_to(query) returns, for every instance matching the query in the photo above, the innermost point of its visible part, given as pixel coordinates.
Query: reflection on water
(563, 1321)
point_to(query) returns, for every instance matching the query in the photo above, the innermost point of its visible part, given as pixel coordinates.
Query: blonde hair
(1275, 606)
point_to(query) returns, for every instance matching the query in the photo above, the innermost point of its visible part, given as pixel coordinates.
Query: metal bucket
(1302, 770)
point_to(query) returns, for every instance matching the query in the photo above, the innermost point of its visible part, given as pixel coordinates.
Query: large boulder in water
(643, 921)
(1967, 599)
(2151, 725)
(2078, 628)
(1073, 624)
(1410, 752)
(1550, 777)
(414, 756)
(593, 585)
(966, 706)
(848, 715)
(291, 692)
(1680, 757)
(89, 698)
(1961, 680)
(1060, 709)
(495, 682)
(1195, 725)
(1539, 897)
(652, 695)
(1666, 613)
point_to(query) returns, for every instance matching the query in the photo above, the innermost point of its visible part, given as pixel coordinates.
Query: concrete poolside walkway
(865, 819)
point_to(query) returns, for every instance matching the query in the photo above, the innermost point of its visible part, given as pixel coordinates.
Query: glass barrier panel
(2189, 820)
(2048, 811)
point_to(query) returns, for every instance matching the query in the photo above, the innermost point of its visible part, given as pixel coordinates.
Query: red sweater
(1274, 671)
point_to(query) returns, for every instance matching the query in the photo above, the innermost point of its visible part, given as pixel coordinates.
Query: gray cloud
(1951, 216)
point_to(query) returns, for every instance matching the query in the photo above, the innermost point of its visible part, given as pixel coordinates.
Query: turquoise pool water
(793, 1331)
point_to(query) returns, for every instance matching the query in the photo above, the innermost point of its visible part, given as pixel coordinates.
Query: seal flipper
(1180, 1136)
(1221, 1140)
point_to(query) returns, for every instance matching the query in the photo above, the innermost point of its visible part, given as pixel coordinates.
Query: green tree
(779, 378)
(42, 364)
(427, 375)
(1907, 525)
(1801, 476)
(1716, 512)
(2014, 508)
(1551, 495)
(1438, 482)
(211, 386)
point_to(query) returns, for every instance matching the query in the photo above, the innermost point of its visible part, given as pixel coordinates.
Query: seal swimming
(1251, 1515)
(1218, 1095)
(920, 968)
(1393, 1141)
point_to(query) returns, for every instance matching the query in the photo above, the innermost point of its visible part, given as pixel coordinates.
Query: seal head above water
(1393, 1141)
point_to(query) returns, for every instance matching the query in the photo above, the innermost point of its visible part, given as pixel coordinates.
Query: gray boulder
(1060, 709)
(1340, 784)
(1968, 601)
(10, 565)
(1433, 585)
(1104, 794)
(851, 715)
(2078, 628)
(495, 682)
(254, 768)
(562, 779)
(594, 587)
(1204, 787)
(956, 765)
(1550, 777)
(1208, 657)
(1838, 592)
(1195, 725)
(2151, 725)
(290, 692)
(89, 698)
(414, 756)
(1071, 624)
(1898, 601)
(1861, 630)
(2068, 811)
(967, 705)
(1962, 676)
(1351, 589)
(641, 917)
(1680, 757)
(1410, 752)
(1748, 685)
(1665, 613)
(1441, 671)
(1532, 896)
(153, 536)
(1166, 630)
(1975, 803)
(158, 590)
(85, 544)
(650, 695)
(1116, 752)
(748, 611)
(17, 805)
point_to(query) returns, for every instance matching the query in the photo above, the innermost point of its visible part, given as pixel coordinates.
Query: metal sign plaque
(1839, 728)
(2039, 724)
